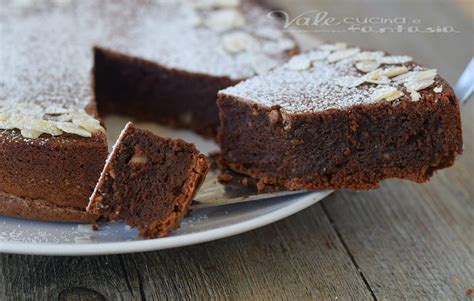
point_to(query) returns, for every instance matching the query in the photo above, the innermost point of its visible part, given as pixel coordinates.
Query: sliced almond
(72, 128)
(5, 125)
(404, 77)
(349, 81)
(299, 63)
(27, 123)
(383, 80)
(391, 72)
(318, 55)
(342, 54)
(387, 93)
(419, 85)
(88, 122)
(277, 47)
(395, 60)
(415, 96)
(333, 47)
(240, 41)
(426, 74)
(32, 134)
(367, 66)
(47, 127)
(225, 19)
(374, 74)
(438, 89)
(367, 56)
(56, 111)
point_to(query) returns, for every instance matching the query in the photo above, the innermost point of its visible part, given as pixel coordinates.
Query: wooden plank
(299, 258)
(409, 243)
(64, 278)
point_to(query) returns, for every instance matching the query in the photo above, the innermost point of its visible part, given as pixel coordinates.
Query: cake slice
(340, 117)
(149, 181)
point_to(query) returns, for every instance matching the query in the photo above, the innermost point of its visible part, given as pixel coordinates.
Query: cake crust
(15, 206)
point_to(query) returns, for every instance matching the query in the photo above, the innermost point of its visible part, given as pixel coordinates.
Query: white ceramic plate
(202, 225)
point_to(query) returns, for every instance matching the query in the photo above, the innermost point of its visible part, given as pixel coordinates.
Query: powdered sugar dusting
(329, 84)
(46, 54)
(42, 62)
(169, 34)
(308, 90)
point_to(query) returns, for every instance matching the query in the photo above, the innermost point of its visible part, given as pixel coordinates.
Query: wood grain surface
(404, 241)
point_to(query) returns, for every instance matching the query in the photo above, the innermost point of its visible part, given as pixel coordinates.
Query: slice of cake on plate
(149, 181)
(340, 117)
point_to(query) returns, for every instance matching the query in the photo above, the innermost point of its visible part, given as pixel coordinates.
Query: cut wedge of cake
(340, 117)
(149, 181)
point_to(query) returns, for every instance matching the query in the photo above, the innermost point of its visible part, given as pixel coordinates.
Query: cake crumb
(225, 178)
(260, 186)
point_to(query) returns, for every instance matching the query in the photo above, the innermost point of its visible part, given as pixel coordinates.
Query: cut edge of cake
(103, 200)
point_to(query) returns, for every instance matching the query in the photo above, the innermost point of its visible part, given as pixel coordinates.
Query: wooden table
(402, 241)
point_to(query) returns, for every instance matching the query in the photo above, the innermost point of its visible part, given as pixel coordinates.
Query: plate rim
(127, 247)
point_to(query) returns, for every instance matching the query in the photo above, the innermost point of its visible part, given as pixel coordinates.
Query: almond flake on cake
(299, 63)
(387, 93)
(367, 66)
(226, 19)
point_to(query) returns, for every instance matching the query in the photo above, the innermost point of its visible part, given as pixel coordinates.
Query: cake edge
(18, 207)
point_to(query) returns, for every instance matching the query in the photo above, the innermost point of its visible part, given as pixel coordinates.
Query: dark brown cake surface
(149, 181)
(339, 117)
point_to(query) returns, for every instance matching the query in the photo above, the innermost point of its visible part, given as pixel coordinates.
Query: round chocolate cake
(162, 61)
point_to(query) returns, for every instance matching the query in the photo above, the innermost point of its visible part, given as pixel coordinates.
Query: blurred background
(399, 27)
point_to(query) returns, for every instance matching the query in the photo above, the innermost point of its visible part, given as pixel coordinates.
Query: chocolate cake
(340, 117)
(171, 59)
(155, 60)
(149, 181)
(52, 146)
